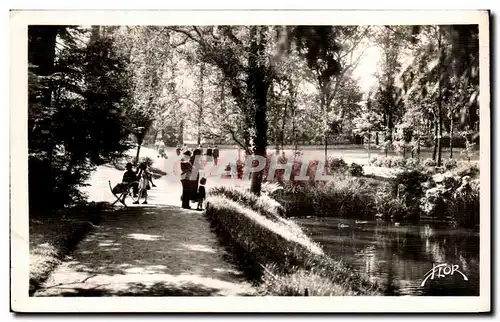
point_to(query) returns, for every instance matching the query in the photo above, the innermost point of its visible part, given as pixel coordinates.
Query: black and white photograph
(168, 160)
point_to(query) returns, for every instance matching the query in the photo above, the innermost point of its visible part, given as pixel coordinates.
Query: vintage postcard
(250, 161)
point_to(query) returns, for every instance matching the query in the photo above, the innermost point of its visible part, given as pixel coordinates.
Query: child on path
(145, 178)
(201, 193)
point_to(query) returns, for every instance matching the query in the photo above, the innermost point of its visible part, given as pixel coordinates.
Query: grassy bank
(55, 235)
(290, 262)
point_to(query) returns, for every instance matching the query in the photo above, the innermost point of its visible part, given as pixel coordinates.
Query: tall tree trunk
(180, 134)
(139, 143)
(434, 153)
(440, 136)
(440, 98)
(418, 147)
(283, 128)
(451, 137)
(95, 34)
(258, 87)
(326, 148)
(41, 54)
(200, 105)
(369, 146)
(387, 137)
(294, 131)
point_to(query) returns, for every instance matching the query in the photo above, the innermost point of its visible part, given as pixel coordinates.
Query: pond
(399, 257)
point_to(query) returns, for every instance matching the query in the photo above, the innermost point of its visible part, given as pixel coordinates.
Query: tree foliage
(81, 125)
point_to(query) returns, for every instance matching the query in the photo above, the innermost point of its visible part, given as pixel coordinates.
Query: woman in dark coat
(195, 161)
(186, 168)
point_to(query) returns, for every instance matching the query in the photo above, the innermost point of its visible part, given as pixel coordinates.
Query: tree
(366, 124)
(387, 98)
(330, 54)
(443, 76)
(241, 54)
(83, 125)
(151, 71)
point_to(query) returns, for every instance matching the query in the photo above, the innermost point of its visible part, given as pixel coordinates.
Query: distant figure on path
(210, 157)
(200, 147)
(215, 154)
(178, 149)
(186, 170)
(161, 149)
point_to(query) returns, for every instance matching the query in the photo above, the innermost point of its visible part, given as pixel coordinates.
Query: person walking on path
(186, 171)
(215, 154)
(178, 149)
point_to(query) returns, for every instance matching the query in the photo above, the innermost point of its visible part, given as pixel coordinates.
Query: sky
(367, 67)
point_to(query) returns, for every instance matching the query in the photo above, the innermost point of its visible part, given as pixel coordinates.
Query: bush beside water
(404, 198)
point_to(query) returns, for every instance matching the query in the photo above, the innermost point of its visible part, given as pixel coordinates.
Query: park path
(157, 249)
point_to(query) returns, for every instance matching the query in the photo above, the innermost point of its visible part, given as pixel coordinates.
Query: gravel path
(157, 249)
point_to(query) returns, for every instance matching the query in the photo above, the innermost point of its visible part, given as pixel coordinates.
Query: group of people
(212, 152)
(141, 181)
(193, 188)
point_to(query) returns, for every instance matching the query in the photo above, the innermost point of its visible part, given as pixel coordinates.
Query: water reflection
(398, 257)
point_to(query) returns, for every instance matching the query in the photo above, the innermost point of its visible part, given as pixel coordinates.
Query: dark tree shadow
(140, 289)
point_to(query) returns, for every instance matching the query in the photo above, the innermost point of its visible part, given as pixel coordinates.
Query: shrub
(411, 180)
(407, 186)
(270, 188)
(398, 162)
(411, 163)
(297, 199)
(356, 170)
(377, 161)
(344, 197)
(328, 278)
(267, 240)
(390, 206)
(453, 199)
(464, 209)
(430, 162)
(387, 162)
(336, 164)
(263, 204)
(466, 169)
(450, 164)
